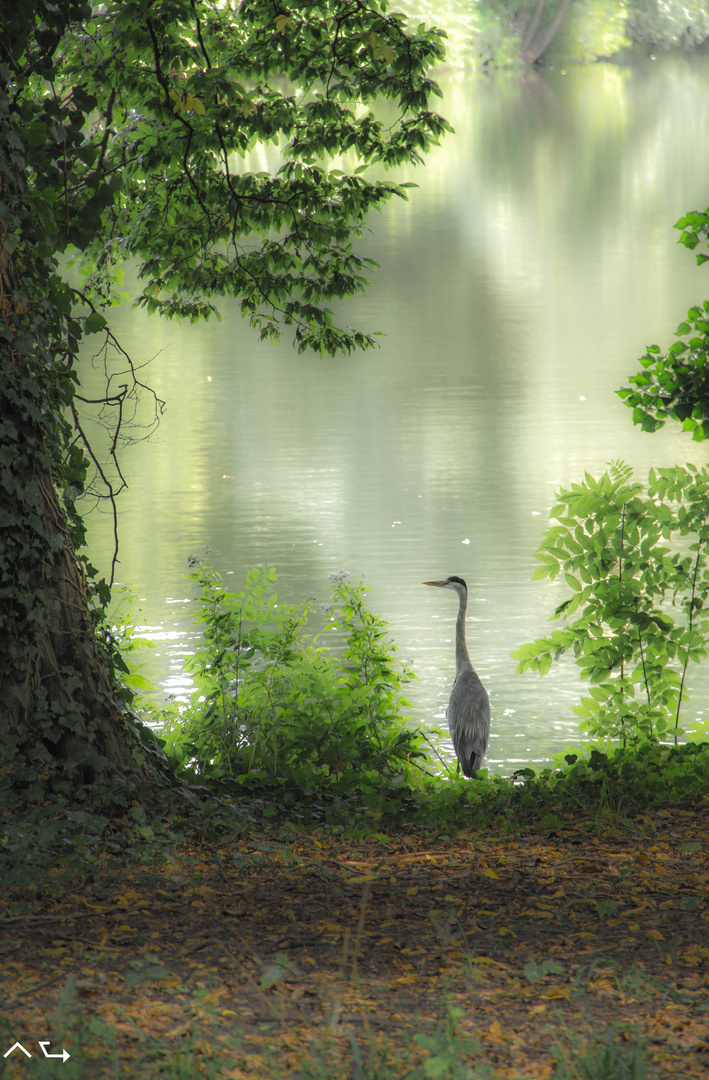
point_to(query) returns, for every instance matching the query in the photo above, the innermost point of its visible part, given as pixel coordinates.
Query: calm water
(518, 287)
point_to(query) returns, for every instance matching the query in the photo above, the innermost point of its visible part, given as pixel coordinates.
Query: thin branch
(642, 658)
(198, 24)
(112, 493)
(106, 133)
(620, 581)
(109, 489)
(690, 627)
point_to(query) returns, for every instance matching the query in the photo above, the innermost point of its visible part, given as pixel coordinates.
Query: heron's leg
(457, 768)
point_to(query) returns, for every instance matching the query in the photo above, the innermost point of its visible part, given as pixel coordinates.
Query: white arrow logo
(64, 1054)
(17, 1046)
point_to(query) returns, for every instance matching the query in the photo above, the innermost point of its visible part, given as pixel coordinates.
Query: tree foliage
(123, 128)
(639, 602)
(187, 90)
(675, 384)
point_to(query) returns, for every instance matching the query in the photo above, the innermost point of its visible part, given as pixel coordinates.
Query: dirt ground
(321, 948)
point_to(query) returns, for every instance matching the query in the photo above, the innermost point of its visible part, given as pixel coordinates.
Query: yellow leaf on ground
(495, 1033)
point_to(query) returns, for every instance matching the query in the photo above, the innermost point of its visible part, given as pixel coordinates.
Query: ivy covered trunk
(58, 701)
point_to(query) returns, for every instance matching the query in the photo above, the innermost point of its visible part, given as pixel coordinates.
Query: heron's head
(455, 583)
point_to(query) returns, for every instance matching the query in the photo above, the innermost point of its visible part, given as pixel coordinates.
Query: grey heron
(468, 710)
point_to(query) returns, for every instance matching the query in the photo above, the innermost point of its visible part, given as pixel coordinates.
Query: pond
(518, 287)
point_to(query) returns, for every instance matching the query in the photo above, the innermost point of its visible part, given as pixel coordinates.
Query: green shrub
(639, 602)
(272, 701)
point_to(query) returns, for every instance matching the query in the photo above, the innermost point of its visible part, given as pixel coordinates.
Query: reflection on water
(518, 288)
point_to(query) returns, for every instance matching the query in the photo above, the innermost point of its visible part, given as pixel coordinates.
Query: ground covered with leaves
(581, 952)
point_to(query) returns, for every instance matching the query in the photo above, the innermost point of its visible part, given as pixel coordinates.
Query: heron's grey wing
(469, 721)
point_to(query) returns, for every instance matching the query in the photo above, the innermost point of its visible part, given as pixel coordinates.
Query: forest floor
(402, 955)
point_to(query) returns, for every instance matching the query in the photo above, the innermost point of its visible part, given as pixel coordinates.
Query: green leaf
(544, 664)
(95, 323)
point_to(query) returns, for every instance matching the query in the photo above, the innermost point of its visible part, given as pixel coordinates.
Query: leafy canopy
(162, 103)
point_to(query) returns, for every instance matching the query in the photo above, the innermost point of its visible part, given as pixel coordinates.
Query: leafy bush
(655, 775)
(675, 385)
(274, 702)
(640, 604)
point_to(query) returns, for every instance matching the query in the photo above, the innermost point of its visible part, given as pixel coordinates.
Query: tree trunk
(530, 31)
(58, 703)
(535, 48)
(57, 694)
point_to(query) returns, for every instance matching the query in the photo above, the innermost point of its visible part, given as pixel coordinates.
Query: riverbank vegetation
(282, 879)
(319, 721)
(275, 702)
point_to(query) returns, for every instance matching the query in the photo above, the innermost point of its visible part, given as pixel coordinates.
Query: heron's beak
(439, 584)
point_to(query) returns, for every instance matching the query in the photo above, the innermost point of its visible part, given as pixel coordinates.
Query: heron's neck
(462, 660)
